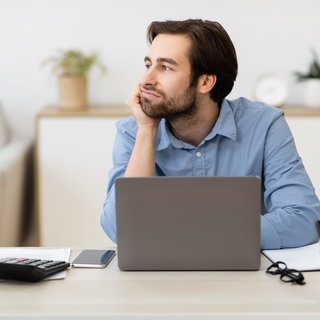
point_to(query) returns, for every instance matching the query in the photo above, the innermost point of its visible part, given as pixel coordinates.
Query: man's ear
(206, 82)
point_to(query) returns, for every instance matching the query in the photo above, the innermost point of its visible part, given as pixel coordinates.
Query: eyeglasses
(286, 275)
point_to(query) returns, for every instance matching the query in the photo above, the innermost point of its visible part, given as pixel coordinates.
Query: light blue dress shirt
(248, 139)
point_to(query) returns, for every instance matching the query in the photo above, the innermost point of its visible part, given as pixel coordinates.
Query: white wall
(270, 36)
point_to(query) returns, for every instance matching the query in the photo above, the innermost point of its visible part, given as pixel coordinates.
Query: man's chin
(150, 112)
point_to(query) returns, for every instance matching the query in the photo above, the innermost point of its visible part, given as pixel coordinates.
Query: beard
(180, 106)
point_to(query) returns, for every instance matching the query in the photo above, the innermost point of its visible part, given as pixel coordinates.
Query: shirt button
(198, 154)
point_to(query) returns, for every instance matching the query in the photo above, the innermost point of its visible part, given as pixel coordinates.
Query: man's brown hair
(211, 52)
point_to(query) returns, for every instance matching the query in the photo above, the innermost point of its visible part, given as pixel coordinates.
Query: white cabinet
(73, 156)
(306, 132)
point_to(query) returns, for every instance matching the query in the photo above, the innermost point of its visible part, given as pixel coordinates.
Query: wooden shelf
(300, 111)
(107, 110)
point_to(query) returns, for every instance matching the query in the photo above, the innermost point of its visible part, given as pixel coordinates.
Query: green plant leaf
(313, 71)
(73, 63)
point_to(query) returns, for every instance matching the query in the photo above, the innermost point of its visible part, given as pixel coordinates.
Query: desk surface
(112, 294)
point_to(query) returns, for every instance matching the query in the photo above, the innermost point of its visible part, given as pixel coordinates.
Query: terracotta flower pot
(73, 93)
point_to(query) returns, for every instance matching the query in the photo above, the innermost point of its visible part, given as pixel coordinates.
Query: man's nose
(149, 77)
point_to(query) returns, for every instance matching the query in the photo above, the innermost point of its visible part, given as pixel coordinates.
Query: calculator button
(50, 264)
(37, 263)
(42, 262)
(30, 261)
(11, 260)
(18, 260)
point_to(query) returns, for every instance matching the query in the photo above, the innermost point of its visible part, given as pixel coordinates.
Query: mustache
(152, 88)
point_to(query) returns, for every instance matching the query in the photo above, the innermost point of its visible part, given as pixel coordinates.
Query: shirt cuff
(269, 237)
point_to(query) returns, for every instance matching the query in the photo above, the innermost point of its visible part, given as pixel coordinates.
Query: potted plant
(72, 68)
(312, 80)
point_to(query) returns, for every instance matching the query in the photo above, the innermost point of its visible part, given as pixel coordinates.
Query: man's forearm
(142, 160)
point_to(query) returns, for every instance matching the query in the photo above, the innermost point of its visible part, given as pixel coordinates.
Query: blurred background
(270, 36)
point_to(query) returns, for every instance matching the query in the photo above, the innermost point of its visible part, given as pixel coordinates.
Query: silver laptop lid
(188, 223)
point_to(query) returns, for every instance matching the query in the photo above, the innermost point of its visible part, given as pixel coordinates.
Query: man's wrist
(150, 131)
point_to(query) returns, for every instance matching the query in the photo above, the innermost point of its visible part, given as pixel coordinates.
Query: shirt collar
(225, 126)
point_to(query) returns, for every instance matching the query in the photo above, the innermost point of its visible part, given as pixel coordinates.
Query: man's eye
(148, 66)
(165, 68)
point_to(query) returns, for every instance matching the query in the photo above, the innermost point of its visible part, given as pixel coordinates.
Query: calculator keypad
(26, 269)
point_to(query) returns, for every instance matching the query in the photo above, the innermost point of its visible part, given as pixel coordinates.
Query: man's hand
(134, 104)
(142, 160)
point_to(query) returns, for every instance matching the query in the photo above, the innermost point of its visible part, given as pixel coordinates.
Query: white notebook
(305, 258)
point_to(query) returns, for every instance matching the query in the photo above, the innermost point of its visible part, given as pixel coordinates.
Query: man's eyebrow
(167, 60)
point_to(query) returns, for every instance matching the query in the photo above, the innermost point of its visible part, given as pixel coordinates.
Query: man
(182, 125)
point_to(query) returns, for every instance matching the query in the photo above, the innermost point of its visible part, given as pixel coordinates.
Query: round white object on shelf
(271, 89)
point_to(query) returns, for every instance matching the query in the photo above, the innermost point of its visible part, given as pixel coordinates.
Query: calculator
(31, 270)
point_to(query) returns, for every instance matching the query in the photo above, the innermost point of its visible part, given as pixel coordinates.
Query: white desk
(112, 294)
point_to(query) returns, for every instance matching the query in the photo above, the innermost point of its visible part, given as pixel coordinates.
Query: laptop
(188, 223)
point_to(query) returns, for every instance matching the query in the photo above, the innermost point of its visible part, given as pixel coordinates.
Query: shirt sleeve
(292, 207)
(122, 148)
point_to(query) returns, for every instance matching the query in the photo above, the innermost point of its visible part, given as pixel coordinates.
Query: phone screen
(93, 258)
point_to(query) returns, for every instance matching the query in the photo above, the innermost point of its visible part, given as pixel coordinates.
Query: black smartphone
(91, 258)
